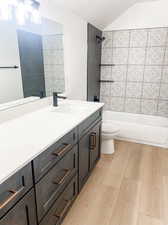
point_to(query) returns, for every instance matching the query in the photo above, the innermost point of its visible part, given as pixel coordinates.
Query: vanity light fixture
(21, 10)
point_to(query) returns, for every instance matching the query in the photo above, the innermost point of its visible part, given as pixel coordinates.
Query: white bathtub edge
(138, 141)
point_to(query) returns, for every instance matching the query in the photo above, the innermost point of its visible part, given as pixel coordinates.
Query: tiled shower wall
(140, 72)
(53, 53)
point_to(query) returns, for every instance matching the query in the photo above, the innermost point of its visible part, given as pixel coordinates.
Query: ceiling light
(22, 10)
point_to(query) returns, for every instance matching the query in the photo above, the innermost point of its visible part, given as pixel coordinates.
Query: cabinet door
(89, 152)
(23, 213)
(83, 159)
(94, 146)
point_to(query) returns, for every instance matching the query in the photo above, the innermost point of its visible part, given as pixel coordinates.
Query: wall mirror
(31, 60)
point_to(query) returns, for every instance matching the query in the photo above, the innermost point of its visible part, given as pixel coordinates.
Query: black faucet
(55, 98)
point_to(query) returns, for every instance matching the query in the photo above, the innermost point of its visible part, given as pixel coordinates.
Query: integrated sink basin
(70, 108)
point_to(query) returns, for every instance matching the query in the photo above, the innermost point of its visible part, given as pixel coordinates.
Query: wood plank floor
(128, 188)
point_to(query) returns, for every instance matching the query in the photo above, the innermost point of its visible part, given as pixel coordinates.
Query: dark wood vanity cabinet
(13, 189)
(42, 192)
(89, 152)
(58, 211)
(55, 181)
(46, 160)
(24, 213)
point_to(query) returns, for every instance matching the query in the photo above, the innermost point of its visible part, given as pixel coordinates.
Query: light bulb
(20, 13)
(5, 10)
(35, 16)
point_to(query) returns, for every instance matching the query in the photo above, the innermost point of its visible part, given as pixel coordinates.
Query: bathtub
(139, 128)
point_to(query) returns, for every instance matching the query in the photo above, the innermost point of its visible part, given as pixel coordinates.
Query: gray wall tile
(138, 38)
(165, 74)
(149, 107)
(106, 73)
(157, 37)
(150, 91)
(53, 54)
(133, 90)
(107, 43)
(164, 91)
(137, 56)
(135, 73)
(105, 89)
(163, 108)
(53, 42)
(119, 73)
(152, 74)
(106, 56)
(140, 72)
(118, 89)
(121, 39)
(166, 56)
(117, 104)
(120, 55)
(155, 56)
(132, 105)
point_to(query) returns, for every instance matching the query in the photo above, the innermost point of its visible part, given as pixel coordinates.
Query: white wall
(143, 15)
(75, 48)
(10, 79)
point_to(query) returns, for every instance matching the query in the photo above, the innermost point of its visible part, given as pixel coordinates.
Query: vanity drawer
(84, 126)
(49, 188)
(53, 154)
(14, 188)
(62, 205)
(23, 213)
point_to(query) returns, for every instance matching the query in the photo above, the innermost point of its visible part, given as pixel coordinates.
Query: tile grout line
(144, 67)
(112, 42)
(147, 82)
(131, 64)
(134, 29)
(115, 96)
(160, 84)
(126, 78)
(151, 46)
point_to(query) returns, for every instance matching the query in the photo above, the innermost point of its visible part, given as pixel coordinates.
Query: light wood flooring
(129, 188)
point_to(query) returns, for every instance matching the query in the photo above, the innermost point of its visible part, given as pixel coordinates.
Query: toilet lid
(109, 128)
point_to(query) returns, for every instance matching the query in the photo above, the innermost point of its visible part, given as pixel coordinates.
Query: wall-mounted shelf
(106, 81)
(9, 67)
(107, 64)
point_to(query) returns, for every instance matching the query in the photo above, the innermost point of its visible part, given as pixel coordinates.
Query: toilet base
(107, 146)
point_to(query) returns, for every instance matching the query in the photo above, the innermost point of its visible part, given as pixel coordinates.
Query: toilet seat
(109, 129)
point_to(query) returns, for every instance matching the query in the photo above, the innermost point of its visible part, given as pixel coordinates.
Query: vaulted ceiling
(98, 12)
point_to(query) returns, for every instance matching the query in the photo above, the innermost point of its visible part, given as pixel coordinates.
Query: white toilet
(109, 131)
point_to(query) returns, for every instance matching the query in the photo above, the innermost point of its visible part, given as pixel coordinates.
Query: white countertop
(22, 139)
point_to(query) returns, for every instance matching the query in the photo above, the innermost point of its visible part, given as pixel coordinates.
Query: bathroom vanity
(49, 163)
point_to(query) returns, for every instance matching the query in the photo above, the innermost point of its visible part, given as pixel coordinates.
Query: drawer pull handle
(93, 141)
(12, 197)
(62, 150)
(61, 215)
(68, 172)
